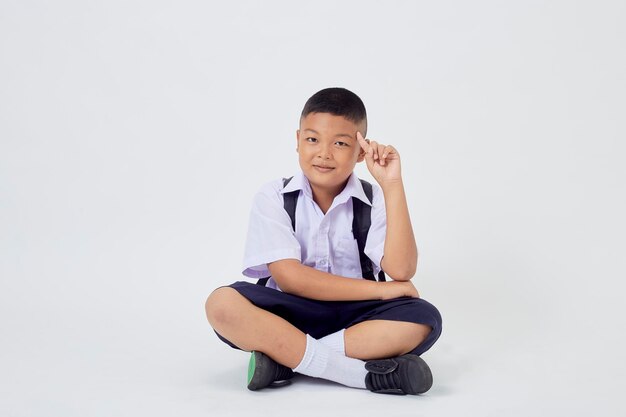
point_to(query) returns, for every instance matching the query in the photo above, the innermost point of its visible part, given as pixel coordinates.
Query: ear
(297, 139)
(361, 156)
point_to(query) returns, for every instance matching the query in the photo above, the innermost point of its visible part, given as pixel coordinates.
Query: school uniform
(324, 242)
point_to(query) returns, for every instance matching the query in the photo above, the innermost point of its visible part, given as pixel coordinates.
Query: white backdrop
(133, 135)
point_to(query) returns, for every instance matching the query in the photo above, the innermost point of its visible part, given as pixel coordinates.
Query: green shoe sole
(263, 372)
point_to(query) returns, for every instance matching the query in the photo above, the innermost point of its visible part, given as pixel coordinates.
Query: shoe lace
(389, 381)
(283, 373)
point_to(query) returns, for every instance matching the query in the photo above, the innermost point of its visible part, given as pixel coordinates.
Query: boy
(317, 315)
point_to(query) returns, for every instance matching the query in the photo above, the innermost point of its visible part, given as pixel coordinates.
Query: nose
(325, 151)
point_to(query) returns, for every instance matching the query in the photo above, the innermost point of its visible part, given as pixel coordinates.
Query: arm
(400, 251)
(297, 279)
(400, 256)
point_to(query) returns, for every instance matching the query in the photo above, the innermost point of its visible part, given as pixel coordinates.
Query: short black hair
(336, 101)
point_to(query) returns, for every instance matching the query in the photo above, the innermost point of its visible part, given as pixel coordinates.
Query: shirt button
(323, 262)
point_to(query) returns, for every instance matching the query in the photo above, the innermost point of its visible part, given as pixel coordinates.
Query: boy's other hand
(383, 161)
(395, 289)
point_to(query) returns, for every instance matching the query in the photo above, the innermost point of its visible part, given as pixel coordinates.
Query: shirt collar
(298, 182)
(353, 188)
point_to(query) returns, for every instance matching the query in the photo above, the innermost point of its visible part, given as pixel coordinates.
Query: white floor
(147, 358)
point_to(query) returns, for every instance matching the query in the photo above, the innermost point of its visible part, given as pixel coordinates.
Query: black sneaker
(406, 374)
(265, 372)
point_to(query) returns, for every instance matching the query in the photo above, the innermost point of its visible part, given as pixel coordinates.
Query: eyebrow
(340, 135)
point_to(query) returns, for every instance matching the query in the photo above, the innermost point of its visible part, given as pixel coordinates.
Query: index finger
(362, 142)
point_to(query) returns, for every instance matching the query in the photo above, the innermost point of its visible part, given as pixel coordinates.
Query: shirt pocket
(346, 260)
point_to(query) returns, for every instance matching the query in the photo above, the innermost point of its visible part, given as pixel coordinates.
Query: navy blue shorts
(321, 318)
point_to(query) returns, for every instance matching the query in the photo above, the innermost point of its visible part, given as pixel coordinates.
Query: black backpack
(361, 223)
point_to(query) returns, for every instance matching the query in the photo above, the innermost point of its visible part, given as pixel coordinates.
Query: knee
(436, 319)
(429, 314)
(432, 322)
(220, 306)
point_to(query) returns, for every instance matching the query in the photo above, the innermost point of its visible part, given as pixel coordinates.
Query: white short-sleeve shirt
(322, 241)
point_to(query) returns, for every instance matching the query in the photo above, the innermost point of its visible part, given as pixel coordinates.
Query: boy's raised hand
(383, 161)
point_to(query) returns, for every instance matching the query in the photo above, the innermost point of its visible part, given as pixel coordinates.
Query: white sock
(320, 361)
(335, 342)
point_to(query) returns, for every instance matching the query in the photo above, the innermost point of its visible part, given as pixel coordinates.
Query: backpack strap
(290, 200)
(361, 222)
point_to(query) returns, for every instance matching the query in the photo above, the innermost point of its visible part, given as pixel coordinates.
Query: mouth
(323, 168)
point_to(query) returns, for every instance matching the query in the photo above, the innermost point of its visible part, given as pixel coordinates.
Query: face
(328, 150)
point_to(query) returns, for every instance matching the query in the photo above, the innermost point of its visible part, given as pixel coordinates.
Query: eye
(340, 143)
(312, 140)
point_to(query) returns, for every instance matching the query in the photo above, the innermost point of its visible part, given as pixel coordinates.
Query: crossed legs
(252, 328)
